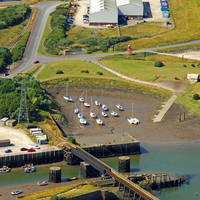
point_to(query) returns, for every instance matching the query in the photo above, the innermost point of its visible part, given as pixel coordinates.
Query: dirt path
(38, 71)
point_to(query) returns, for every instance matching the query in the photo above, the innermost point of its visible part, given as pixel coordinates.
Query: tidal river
(181, 159)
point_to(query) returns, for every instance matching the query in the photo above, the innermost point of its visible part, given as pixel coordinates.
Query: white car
(35, 147)
(16, 192)
(134, 121)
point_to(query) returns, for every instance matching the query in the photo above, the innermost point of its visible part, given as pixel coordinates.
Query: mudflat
(137, 104)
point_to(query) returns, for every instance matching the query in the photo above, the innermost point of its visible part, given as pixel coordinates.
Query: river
(181, 159)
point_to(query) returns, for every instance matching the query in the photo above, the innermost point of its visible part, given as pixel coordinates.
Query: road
(45, 9)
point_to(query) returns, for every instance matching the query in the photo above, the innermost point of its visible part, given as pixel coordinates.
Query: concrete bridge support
(87, 171)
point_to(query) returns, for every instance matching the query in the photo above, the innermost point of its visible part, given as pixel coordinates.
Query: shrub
(193, 65)
(100, 73)
(71, 140)
(5, 58)
(159, 64)
(198, 65)
(85, 71)
(59, 72)
(176, 78)
(184, 65)
(196, 97)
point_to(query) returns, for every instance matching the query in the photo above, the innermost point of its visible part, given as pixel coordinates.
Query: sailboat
(86, 105)
(81, 98)
(99, 121)
(67, 98)
(114, 114)
(120, 108)
(82, 120)
(104, 114)
(92, 113)
(97, 103)
(133, 120)
(104, 107)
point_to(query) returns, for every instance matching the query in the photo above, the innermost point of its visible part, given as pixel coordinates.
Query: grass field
(65, 191)
(186, 17)
(72, 74)
(186, 99)
(144, 69)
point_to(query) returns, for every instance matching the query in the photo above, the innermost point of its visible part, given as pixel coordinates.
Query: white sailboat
(92, 113)
(104, 114)
(119, 107)
(82, 119)
(86, 105)
(114, 114)
(97, 103)
(133, 120)
(104, 107)
(81, 98)
(67, 98)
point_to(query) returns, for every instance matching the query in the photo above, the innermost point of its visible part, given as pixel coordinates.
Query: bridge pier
(87, 171)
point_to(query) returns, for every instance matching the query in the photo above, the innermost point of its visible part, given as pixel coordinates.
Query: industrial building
(103, 12)
(130, 8)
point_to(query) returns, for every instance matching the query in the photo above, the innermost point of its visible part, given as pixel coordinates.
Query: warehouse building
(130, 8)
(103, 12)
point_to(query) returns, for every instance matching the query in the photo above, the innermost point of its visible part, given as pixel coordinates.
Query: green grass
(73, 69)
(64, 191)
(186, 17)
(186, 99)
(145, 70)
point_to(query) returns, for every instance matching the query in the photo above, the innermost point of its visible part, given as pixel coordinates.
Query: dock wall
(36, 158)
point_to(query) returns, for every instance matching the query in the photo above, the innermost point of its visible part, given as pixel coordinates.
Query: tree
(196, 97)
(159, 64)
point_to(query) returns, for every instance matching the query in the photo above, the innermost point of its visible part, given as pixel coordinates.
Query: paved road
(45, 9)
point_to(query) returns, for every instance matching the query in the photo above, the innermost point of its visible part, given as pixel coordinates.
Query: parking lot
(18, 139)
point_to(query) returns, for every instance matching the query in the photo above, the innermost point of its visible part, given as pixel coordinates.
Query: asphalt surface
(45, 9)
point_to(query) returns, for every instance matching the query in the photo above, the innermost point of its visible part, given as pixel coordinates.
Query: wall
(35, 158)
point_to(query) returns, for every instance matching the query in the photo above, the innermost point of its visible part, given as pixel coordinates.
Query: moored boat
(81, 99)
(134, 121)
(99, 121)
(30, 169)
(119, 107)
(114, 114)
(104, 114)
(104, 107)
(76, 111)
(68, 98)
(97, 103)
(83, 121)
(4, 169)
(92, 114)
(42, 183)
(86, 105)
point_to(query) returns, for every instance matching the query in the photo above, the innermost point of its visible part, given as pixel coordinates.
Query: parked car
(85, 17)
(85, 21)
(35, 147)
(16, 192)
(31, 150)
(23, 149)
(8, 151)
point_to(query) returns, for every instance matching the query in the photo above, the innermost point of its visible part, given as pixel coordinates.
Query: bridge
(132, 191)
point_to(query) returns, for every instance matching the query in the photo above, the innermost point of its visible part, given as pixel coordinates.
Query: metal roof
(103, 11)
(130, 7)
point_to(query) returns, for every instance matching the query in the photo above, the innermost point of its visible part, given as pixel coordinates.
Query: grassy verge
(186, 99)
(47, 31)
(65, 191)
(144, 69)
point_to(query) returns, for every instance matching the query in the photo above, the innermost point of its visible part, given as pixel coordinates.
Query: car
(16, 192)
(8, 151)
(85, 21)
(35, 147)
(36, 61)
(85, 17)
(23, 149)
(31, 150)
(6, 74)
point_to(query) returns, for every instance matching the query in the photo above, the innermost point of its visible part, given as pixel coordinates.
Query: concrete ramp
(165, 107)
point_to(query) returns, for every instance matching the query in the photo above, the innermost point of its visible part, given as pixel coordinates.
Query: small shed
(193, 77)
(3, 121)
(4, 143)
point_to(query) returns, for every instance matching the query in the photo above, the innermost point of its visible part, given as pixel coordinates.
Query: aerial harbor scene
(99, 100)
